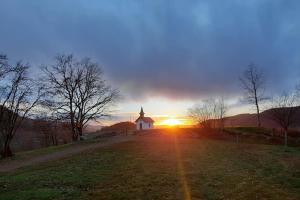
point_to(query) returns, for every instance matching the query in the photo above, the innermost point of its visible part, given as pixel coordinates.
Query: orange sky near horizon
(173, 121)
(163, 111)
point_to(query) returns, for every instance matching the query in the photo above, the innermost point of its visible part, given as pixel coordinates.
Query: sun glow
(172, 122)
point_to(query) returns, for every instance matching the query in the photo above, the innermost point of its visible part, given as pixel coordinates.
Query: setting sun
(171, 122)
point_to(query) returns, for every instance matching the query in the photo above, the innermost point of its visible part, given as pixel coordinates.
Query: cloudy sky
(164, 55)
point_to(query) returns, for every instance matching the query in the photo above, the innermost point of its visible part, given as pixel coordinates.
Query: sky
(162, 55)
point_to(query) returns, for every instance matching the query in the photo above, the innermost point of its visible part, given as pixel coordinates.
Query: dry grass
(163, 167)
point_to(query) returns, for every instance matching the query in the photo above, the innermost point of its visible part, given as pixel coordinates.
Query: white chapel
(144, 123)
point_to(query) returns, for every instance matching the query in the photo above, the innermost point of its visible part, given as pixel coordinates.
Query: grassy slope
(23, 155)
(148, 169)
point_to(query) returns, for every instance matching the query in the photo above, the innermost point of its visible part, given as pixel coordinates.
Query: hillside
(160, 166)
(250, 120)
(38, 133)
(34, 134)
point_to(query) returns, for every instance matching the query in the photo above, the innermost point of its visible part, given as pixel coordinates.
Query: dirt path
(78, 148)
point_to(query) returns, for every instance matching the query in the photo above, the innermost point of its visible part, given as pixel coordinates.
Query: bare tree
(18, 96)
(253, 82)
(207, 113)
(202, 114)
(221, 111)
(78, 92)
(49, 128)
(283, 112)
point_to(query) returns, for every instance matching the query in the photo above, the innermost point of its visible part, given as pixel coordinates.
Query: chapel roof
(145, 119)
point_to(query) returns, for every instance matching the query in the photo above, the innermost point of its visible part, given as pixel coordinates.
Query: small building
(144, 123)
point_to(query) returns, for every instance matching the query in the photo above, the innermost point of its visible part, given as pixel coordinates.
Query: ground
(36, 157)
(159, 166)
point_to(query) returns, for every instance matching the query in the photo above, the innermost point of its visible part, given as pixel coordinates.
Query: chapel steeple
(142, 113)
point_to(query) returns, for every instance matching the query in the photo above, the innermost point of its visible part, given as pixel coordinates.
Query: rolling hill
(249, 120)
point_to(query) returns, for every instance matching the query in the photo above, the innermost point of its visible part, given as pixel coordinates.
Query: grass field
(164, 166)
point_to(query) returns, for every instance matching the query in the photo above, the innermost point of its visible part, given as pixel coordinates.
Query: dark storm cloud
(176, 49)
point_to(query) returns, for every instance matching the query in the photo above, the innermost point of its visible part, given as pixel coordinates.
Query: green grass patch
(155, 167)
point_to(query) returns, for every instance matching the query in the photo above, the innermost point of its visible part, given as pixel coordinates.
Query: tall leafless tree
(18, 96)
(78, 92)
(283, 112)
(253, 83)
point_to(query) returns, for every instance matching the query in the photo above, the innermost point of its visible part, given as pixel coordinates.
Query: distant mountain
(92, 128)
(250, 120)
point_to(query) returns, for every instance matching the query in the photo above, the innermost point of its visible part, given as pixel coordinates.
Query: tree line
(282, 108)
(69, 90)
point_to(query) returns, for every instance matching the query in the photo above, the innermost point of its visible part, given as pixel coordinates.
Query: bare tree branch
(19, 96)
(284, 111)
(78, 92)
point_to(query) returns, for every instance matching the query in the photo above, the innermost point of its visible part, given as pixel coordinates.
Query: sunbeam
(181, 171)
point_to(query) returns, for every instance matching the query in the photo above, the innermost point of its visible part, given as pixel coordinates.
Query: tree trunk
(74, 126)
(285, 137)
(258, 115)
(80, 132)
(6, 151)
(54, 139)
(75, 136)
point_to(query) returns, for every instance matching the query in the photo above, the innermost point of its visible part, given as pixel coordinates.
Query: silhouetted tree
(221, 111)
(283, 112)
(78, 92)
(202, 114)
(253, 83)
(207, 113)
(18, 96)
